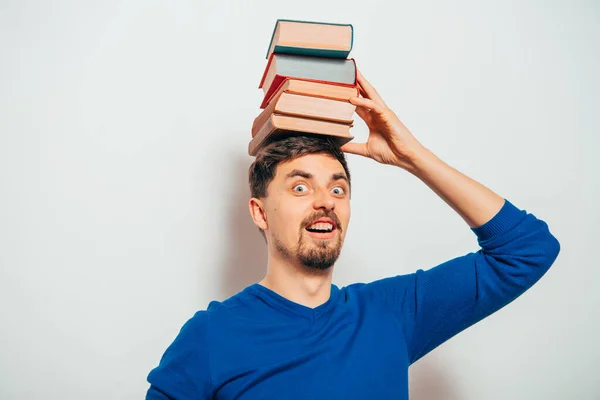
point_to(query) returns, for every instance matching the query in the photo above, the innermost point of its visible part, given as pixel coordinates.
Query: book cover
(310, 50)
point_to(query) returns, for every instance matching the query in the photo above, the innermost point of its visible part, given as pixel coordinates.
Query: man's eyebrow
(299, 173)
(338, 176)
(306, 175)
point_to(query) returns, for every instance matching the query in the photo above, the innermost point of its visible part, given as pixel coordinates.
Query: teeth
(322, 226)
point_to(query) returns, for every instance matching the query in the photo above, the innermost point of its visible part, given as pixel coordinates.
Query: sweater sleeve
(516, 250)
(183, 372)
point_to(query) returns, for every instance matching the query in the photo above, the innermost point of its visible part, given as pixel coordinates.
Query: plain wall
(123, 180)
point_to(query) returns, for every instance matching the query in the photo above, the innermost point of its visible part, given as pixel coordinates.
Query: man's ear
(257, 211)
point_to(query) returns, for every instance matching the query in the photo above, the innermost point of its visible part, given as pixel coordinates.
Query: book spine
(262, 80)
(260, 120)
(261, 136)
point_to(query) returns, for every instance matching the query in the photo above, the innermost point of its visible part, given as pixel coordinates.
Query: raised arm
(516, 248)
(390, 142)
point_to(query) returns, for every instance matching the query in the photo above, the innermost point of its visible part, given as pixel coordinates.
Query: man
(295, 335)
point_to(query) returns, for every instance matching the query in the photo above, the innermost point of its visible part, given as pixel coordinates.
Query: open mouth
(322, 228)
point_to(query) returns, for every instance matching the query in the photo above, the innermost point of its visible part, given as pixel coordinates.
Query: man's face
(308, 210)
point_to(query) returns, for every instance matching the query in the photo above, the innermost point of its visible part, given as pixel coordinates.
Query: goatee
(314, 254)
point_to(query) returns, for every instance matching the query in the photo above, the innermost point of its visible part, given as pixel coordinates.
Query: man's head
(300, 188)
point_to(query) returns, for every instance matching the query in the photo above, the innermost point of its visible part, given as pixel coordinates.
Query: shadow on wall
(428, 380)
(245, 262)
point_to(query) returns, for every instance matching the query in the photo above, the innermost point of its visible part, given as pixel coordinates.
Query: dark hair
(262, 171)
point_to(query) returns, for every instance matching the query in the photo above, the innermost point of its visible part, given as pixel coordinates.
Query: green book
(309, 38)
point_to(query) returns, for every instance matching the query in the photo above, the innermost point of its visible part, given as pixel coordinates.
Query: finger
(364, 114)
(369, 89)
(366, 103)
(367, 108)
(362, 92)
(355, 148)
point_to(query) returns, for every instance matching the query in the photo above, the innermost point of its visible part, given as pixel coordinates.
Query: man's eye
(338, 190)
(300, 188)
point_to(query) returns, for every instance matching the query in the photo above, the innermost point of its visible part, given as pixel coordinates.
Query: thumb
(355, 148)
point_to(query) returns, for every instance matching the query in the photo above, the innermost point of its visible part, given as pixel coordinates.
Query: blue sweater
(360, 343)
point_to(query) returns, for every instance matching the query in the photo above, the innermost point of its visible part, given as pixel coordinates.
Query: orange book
(316, 89)
(282, 125)
(334, 71)
(308, 107)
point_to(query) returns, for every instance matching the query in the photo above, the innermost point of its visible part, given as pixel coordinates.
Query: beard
(314, 254)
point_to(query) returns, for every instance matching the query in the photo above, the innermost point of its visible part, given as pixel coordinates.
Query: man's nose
(323, 200)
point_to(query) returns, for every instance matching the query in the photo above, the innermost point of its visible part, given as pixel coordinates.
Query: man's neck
(298, 284)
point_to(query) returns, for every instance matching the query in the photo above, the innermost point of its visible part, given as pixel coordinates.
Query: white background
(123, 180)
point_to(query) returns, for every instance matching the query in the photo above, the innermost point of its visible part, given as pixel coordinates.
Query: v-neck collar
(277, 301)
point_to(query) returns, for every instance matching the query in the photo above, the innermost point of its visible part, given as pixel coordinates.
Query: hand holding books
(389, 141)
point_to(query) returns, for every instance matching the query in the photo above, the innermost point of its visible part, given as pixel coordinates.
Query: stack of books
(307, 83)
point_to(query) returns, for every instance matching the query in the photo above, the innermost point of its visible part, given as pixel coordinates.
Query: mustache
(322, 214)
